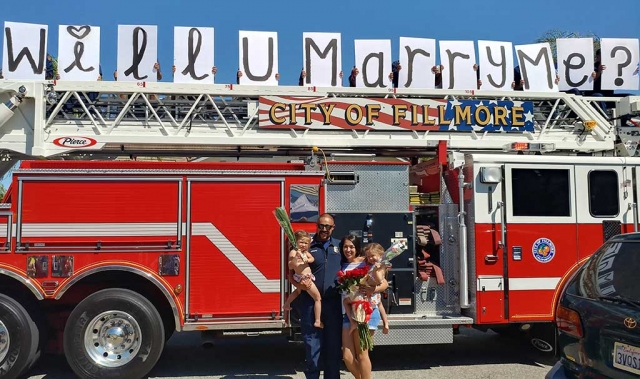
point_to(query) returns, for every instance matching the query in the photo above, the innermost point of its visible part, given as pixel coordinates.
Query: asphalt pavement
(473, 355)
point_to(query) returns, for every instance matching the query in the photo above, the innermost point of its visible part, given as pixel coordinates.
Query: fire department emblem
(543, 250)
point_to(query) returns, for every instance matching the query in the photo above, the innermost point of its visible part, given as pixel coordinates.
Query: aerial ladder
(111, 119)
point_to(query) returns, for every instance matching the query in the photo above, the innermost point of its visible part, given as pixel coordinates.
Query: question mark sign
(619, 81)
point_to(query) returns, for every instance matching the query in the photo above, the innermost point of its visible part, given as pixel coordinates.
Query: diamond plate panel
(445, 196)
(381, 188)
(410, 335)
(611, 228)
(430, 299)
(419, 331)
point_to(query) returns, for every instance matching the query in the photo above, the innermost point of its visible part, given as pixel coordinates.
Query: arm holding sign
(159, 72)
(437, 71)
(395, 73)
(477, 70)
(352, 77)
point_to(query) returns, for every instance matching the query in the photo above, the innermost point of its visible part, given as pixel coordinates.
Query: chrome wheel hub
(112, 339)
(4, 341)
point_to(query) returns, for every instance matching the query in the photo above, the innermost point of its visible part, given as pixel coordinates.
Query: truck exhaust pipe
(208, 338)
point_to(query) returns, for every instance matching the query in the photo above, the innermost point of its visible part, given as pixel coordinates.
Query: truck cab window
(541, 192)
(604, 199)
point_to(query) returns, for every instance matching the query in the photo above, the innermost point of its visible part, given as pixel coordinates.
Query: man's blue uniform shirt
(325, 268)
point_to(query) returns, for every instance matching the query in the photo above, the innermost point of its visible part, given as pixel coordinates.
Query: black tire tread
(29, 340)
(132, 302)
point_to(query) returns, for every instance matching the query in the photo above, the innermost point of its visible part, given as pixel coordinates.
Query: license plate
(626, 357)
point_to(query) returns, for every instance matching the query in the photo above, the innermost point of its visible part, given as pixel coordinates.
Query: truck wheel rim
(112, 339)
(4, 341)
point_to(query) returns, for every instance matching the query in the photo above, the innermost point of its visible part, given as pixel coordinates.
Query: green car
(598, 315)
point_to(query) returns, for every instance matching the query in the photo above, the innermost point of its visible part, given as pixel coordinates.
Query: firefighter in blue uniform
(323, 346)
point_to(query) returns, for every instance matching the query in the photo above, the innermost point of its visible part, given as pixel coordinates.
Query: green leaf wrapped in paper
(285, 224)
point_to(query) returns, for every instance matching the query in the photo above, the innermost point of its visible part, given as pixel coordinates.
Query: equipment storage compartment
(436, 283)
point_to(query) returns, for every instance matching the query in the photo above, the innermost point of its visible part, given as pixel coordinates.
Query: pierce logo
(77, 142)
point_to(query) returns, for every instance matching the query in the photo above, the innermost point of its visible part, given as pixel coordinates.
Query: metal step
(416, 330)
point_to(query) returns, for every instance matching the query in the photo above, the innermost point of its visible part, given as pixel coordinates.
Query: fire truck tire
(19, 339)
(113, 333)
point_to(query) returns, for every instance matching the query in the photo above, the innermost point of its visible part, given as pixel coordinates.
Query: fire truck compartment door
(6, 223)
(235, 248)
(541, 236)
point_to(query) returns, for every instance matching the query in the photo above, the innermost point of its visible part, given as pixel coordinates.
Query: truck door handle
(493, 258)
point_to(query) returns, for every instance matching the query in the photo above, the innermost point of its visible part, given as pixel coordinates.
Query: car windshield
(612, 272)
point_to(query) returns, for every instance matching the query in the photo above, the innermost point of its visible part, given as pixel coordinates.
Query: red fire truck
(499, 195)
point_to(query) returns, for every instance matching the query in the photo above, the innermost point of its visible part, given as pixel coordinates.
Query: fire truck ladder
(164, 119)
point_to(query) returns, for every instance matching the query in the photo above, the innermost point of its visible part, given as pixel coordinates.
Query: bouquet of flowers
(396, 249)
(348, 283)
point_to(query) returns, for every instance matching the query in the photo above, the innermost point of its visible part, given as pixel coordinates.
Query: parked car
(598, 315)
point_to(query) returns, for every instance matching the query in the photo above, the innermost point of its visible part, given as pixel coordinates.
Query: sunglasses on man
(325, 226)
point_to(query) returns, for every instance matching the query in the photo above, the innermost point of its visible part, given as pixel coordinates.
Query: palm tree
(551, 35)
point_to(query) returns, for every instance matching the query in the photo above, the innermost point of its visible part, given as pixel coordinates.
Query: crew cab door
(541, 236)
(604, 197)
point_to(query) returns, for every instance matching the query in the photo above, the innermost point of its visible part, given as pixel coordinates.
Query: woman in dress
(356, 360)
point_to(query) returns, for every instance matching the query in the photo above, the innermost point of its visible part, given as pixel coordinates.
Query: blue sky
(516, 21)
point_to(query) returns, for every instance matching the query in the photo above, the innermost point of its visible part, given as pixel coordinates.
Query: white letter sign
(373, 59)
(137, 53)
(79, 52)
(193, 55)
(536, 67)
(24, 55)
(322, 59)
(458, 59)
(621, 56)
(575, 63)
(258, 57)
(496, 65)
(417, 57)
